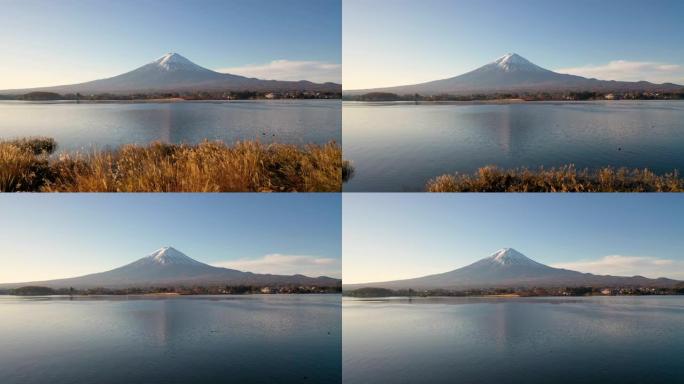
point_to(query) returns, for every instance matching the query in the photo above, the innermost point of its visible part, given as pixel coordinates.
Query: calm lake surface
(400, 146)
(246, 339)
(109, 125)
(514, 340)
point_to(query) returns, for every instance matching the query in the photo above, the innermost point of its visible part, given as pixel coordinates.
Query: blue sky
(49, 42)
(394, 42)
(392, 236)
(52, 235)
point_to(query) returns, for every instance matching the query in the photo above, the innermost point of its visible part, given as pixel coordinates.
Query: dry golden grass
(563, 179)
(35, 145)
(206, 167)
(24, 164)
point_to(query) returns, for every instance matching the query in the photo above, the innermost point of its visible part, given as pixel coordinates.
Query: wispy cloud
(631, 71)
(291, 70)
(619, 265)
(280, 264)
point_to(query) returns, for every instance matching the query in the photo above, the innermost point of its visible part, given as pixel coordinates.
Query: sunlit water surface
(514, 340)
(400, 146)
(245, 339)
(82, 127)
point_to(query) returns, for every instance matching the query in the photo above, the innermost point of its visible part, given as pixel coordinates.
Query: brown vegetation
(26, 165)
(347, 171)
(563, 179)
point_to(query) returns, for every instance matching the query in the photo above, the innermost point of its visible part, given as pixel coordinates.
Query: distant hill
(170, 267)
(508, 268)
(513, 73)
(174, 73)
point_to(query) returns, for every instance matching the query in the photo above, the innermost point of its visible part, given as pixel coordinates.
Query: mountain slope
(508, 268)
(174, 73)
(170, 267)
(513, 73)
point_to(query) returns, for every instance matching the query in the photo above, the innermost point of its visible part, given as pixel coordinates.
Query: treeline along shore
(177, 290)
(28, 165)
(520, 96)
(371, 292)
(198, 95)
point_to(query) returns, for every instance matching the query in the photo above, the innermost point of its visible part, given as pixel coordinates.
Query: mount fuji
(170, 267)
(508, 268)
(174, 73)
(514, 73)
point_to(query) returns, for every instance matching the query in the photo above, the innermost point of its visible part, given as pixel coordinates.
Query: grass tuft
(24, 164)
(562, 179)
(158, 167)
(36, 145)
(347, 171)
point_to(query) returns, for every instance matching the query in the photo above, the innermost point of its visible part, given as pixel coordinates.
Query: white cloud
(631, 71)
(619, 265)
(316, 71)
(279, 264)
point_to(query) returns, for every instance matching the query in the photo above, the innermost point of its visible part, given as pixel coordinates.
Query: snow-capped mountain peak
(508, 268)
(174, 73)
(174, 61)
(513, 62)
(169, 267)
(509, 256)
(169, 255)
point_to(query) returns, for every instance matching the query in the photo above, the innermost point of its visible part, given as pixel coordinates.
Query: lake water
(400, 146)
(245, 339)
(109, 125)
(514, 340)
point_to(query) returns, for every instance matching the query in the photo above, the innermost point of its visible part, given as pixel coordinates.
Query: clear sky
(46, 42)
(53, 235)
(394, 236)
(395, 42)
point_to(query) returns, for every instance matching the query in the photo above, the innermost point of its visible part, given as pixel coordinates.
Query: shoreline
(511, 296)
(158, 101)
(501, 101)
(168, 295)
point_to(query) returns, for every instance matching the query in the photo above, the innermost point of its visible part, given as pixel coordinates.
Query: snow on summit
(509, 256)
(514, 62)
(170, 255)
(173, 61)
